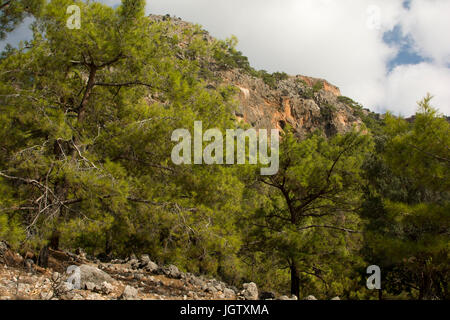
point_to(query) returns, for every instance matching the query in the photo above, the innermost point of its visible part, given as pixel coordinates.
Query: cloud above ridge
(341, 41)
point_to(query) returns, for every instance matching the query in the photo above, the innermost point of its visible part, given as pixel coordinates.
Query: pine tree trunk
(295, 280)
(43, 257)
(54, 240)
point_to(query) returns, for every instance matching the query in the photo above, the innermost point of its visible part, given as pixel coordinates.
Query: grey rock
(293, 297)
(145, 258)
(310, 298)
(4, 248)
(66, 287)
(94, 275)
(196, 281)
(89, 286)
(336, 298)
(56, 276)
(229, 293)
(211, 289)
(250, 291)
(151, 267)
(129, 293)
(138, 276)
(171, 271)
(134, 263)
(106, 288)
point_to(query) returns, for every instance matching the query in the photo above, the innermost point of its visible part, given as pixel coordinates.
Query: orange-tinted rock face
(326, 85)
(296, 101)
(333, 89)
(290, 103)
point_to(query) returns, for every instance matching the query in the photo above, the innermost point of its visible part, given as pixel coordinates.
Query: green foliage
(421, 150)
(370, 119)
(309, 92)
(327, 111)
(301, 82)
(13, 12)
(299, 223)
(271, 79)
(407, 205)
(86, 118)
(11, 230)
(318, 85)
(228, 57)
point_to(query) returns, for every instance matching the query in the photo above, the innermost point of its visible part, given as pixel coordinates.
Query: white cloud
(338, 40)
(335, 40)
(408, 84)
(330, 39)
(428, 24)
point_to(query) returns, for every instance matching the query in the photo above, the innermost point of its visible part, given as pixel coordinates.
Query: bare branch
(329, 227)
(123, 84)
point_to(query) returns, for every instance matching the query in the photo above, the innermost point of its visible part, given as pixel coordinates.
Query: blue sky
(386, 54)
(406, 54)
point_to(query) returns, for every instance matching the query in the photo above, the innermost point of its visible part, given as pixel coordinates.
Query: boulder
(129, 293)
(196, 281)
(151, 267)
(94, 275)
(138, 276)
(134, 263)
(211, 289)
(106, 288)
(56, 276)
(310, 298)
(172, 271)
(250, 291)
(89, 286)
(229, 294)
(145, 258)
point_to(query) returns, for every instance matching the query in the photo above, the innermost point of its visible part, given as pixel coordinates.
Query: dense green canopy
(86, 117)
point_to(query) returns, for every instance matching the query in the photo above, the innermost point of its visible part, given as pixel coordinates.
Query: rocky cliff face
(306, 104)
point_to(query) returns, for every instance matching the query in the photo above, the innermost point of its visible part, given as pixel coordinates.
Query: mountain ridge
(273, 101)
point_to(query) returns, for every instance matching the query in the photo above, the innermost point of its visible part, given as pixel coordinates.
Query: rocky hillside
(268, 101)
(129, 279)
(306, 104)
(265, 101)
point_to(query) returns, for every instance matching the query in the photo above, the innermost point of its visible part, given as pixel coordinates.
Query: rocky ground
(129, 279)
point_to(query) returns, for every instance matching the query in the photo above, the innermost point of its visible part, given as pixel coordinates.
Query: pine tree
(310, 211)
(407, 205)
(86, 120)
(13, 12)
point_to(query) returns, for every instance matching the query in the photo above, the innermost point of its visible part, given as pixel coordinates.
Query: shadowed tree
(315, 194)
